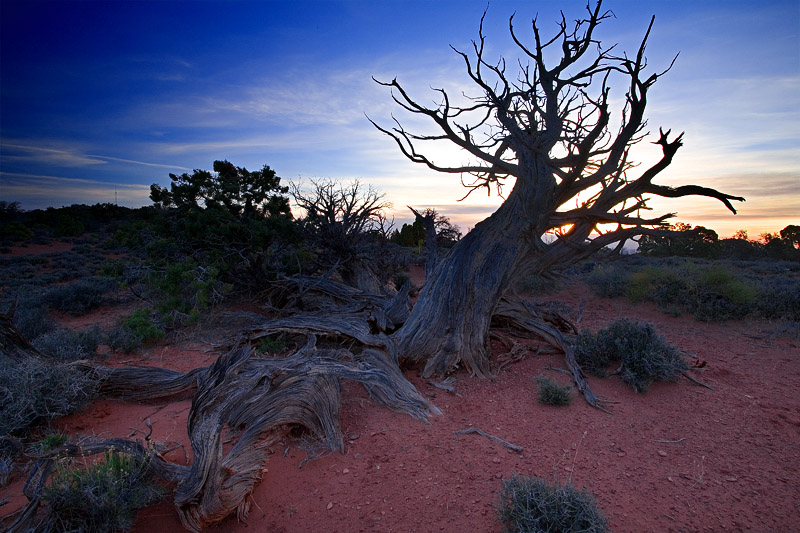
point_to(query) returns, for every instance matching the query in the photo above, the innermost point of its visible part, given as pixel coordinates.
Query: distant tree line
(699, 241)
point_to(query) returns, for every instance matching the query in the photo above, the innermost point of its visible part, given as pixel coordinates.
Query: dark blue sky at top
(123, 92)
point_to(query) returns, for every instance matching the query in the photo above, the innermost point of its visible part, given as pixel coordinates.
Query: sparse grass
(642, 354)
(551, 393)
(530, 504)
(102, 497)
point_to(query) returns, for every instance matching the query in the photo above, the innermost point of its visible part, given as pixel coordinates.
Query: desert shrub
(68, 345)
(710, 291)
(721, 295)
(608, 281)
(32, 390)
(102, 497)
(535, 285)
(666, 287)
(122, 339)
(14, 231)
(139, 328)
(551, 393)
(112, 268)
(779, 299)
(79, 296)
(643, 355)
(530, 504)
(32, 320)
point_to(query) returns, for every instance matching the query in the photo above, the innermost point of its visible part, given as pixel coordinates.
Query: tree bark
(449, 325)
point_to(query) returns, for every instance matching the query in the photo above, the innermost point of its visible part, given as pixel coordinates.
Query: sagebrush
(642, 355)
(530, 504)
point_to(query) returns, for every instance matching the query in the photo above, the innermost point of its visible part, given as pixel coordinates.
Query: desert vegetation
(335, 305)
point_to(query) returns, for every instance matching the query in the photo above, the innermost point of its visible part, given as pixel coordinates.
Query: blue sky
(104, 98)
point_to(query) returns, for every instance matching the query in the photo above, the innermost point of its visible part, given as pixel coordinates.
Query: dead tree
(549, 128)
(341, 221)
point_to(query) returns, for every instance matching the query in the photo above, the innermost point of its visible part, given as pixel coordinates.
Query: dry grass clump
(530, 504)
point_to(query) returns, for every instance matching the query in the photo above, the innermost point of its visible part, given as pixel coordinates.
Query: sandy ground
(679, 458)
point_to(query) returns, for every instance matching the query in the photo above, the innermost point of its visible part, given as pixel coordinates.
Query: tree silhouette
(548, 129)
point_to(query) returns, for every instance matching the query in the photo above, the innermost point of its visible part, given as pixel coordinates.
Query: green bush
(100, 498)
(710, 291)
(530, 504)
(141, 327)
(642, 354)
(551, 393)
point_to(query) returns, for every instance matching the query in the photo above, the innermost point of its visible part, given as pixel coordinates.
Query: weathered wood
(522, 315)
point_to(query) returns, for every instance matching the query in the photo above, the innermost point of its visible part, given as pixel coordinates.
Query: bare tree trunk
(449, 325)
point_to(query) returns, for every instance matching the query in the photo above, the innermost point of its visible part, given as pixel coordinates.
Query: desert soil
(678, 458)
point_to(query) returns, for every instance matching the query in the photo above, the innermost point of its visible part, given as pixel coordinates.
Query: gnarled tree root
(257, 400)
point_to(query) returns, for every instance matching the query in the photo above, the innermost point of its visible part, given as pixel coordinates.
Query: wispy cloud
(40, 191)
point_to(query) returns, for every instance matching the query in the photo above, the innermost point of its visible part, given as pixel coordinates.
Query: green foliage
(235, 189)
(531, 505)
(112, 268)
(642, 354)
(701, 242)
(683, 241)
(272, 344)
(410, 235)
(143, 326)
(51, 441)
(709, 291)
(102, 497)
(551, 393)
(34, 390)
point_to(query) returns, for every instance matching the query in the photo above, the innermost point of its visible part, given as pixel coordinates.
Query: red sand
(679, 458)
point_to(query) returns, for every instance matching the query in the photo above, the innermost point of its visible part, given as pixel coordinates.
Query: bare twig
(696, 382)
(507, 444)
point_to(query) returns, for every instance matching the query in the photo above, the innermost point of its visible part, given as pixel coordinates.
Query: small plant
(644, 356)
(141, 324)
(271, 345)
(50, 442)
(102, 497)
(529, 504)
(551, 393)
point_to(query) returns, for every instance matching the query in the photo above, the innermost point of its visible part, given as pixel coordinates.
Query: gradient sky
(101, 99)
